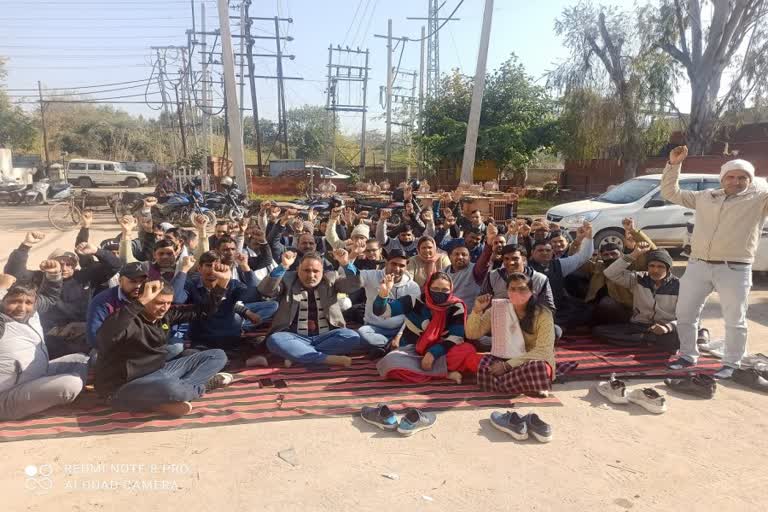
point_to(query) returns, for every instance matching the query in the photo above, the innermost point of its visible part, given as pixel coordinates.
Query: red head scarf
(436, 326)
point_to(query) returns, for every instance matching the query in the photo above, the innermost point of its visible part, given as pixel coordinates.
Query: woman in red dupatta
(432, 345)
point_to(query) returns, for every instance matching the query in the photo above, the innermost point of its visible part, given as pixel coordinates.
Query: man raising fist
(29, 382)
(131, 372)
(728, 223)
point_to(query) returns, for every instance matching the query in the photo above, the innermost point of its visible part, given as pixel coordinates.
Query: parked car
(639, 198)
(327, 173)
(88, 173)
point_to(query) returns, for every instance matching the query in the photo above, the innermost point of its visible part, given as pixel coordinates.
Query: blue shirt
(224, 323)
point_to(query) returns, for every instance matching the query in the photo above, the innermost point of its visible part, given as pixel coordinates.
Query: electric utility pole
(473, 125)
(233, 109)
(352, 74)
(45, 128)
(433, 20)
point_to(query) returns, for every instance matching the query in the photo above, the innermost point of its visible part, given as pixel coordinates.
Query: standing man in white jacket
(728, 224)
(378, 332)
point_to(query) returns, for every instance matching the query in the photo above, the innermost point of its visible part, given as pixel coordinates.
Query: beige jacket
(727, 228)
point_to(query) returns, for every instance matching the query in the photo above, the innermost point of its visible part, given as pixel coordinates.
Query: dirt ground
(700, 455)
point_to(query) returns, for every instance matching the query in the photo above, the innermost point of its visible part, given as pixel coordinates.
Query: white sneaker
(649, 399)
(220, 380)
(614, 390)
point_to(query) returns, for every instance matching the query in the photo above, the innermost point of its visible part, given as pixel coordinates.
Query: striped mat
(309, 393)
(598, 361)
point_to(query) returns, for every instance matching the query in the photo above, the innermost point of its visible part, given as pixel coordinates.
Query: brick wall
(595, 176)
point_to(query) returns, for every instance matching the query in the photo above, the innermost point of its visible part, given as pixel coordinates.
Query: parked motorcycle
(228, 204)
(10, 191)
(180, 208)
(43, 191)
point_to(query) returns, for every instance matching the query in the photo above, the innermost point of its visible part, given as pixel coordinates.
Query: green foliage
(516, 121)
(614, 86)
(17, 130)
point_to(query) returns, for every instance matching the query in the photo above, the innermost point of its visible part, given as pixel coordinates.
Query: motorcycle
(179, 208)
(10, 191)
(227, 204)
(43, 191)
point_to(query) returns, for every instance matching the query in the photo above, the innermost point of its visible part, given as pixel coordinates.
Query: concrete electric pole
(233, 109)
(473, 125)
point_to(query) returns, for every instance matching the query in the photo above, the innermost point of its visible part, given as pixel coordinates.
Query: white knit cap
(361, 230)
(738, 165)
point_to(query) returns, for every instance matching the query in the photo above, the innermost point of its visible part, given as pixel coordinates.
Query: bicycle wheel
(64, 216)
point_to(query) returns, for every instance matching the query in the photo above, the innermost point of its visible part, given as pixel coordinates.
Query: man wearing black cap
(654, 293)
(132, 277)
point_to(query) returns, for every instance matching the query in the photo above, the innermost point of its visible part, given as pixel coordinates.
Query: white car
(88, 173)
(640, 198)
(326, 173)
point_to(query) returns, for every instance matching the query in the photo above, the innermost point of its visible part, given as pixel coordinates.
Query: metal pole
(252, 80)
(242, 62)
(233, 109)
(333, 123)
(420, 154)
(45, 128)
(180, 114)
(473, 125)
(365, 110)
(388, 139)
(281, 88)
(205, 125)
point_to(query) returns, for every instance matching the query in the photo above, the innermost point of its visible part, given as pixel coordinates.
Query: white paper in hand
(506, 336)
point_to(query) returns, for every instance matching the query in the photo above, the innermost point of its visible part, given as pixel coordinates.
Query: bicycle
(66, 215)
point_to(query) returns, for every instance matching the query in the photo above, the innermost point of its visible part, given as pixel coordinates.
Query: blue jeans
(377, 337)
(265, 310)
(732, 282)
(314, 349)
(180, 380)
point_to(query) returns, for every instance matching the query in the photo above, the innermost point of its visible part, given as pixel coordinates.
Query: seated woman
(432, 343)
(428, 259)
(533, 370)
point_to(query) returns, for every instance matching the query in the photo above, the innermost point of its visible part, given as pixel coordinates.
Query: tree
(517, 118)
(308, 129)
(608, 58)
(17, 130)
(735, 43)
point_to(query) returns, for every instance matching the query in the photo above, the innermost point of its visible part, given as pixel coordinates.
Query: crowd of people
(156, 312)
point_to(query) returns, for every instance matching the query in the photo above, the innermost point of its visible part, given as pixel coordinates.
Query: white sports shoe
(614, 390)
(649, 399)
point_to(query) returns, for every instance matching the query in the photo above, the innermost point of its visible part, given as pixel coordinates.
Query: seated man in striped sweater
(309, 327)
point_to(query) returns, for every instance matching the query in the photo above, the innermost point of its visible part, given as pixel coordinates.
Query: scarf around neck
(431, 335)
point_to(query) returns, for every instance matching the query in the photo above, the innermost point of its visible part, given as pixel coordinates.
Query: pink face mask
(519, 298)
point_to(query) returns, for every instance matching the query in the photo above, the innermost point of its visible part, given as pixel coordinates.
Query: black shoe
(751, 378)
(703, 337)
(539, 429)
(376, 353)
(699, 385)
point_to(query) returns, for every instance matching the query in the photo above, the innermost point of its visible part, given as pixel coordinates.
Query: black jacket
(130, 346)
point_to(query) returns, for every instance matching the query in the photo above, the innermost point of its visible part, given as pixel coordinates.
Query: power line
(144, 80)
(359, 4)
(441, 25)
(101, 38)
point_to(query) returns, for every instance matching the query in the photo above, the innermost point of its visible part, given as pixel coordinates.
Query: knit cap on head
(361, 230)
(660, 255)
(738, 165)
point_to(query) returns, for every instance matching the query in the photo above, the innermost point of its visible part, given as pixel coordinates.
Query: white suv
(88, 173)
(640, 198)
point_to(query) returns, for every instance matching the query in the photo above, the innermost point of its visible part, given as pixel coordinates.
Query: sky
(78, 43)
